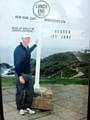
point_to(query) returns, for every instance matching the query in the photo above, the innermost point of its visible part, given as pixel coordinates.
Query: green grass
(64, 81)
(10, 81)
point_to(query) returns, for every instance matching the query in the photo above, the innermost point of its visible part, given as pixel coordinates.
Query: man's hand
(36, 42)
(21, 79)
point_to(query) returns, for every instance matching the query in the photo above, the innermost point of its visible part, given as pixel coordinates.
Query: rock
(43, 99)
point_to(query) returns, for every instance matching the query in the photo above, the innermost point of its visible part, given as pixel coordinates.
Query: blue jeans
(24, 93)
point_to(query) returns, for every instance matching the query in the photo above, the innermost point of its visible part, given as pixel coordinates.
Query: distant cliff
(62, 65)
(59, 65)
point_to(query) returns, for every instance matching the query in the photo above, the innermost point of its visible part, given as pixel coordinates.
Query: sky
(75, 13)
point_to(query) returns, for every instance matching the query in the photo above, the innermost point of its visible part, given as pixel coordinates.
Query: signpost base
(43, 99)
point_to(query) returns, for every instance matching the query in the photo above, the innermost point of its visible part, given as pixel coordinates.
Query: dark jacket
(22, 59)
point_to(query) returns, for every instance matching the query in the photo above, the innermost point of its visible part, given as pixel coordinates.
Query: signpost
(41, 10)
(38, 56)
(37, 74)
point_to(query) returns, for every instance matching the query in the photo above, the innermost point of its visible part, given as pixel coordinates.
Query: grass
(10, 81)
(66, 81)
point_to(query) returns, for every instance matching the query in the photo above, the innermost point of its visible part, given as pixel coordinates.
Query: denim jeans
(24, 92)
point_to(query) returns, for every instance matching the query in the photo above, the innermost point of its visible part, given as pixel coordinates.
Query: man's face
(26, 41)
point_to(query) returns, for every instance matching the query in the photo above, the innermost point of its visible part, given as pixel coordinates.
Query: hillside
(58, 65)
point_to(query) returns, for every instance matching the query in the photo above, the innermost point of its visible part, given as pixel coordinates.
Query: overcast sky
(75, 13)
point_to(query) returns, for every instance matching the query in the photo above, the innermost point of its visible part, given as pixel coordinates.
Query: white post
(37, 74)
(38, 57)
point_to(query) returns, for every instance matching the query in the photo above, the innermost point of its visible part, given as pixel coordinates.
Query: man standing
(24, 83)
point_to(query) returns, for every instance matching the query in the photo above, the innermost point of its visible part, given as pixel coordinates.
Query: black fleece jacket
(22, 59)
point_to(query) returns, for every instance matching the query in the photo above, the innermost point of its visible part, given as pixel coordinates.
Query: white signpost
(37, 74)
(38, 56)
(41, 10)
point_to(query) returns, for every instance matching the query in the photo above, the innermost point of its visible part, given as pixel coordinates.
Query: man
(24, 84)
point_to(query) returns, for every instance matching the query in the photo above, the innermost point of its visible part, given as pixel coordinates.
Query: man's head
(26, 40)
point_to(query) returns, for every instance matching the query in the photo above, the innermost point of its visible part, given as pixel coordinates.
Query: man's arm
(18, 61)
(32, 48)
